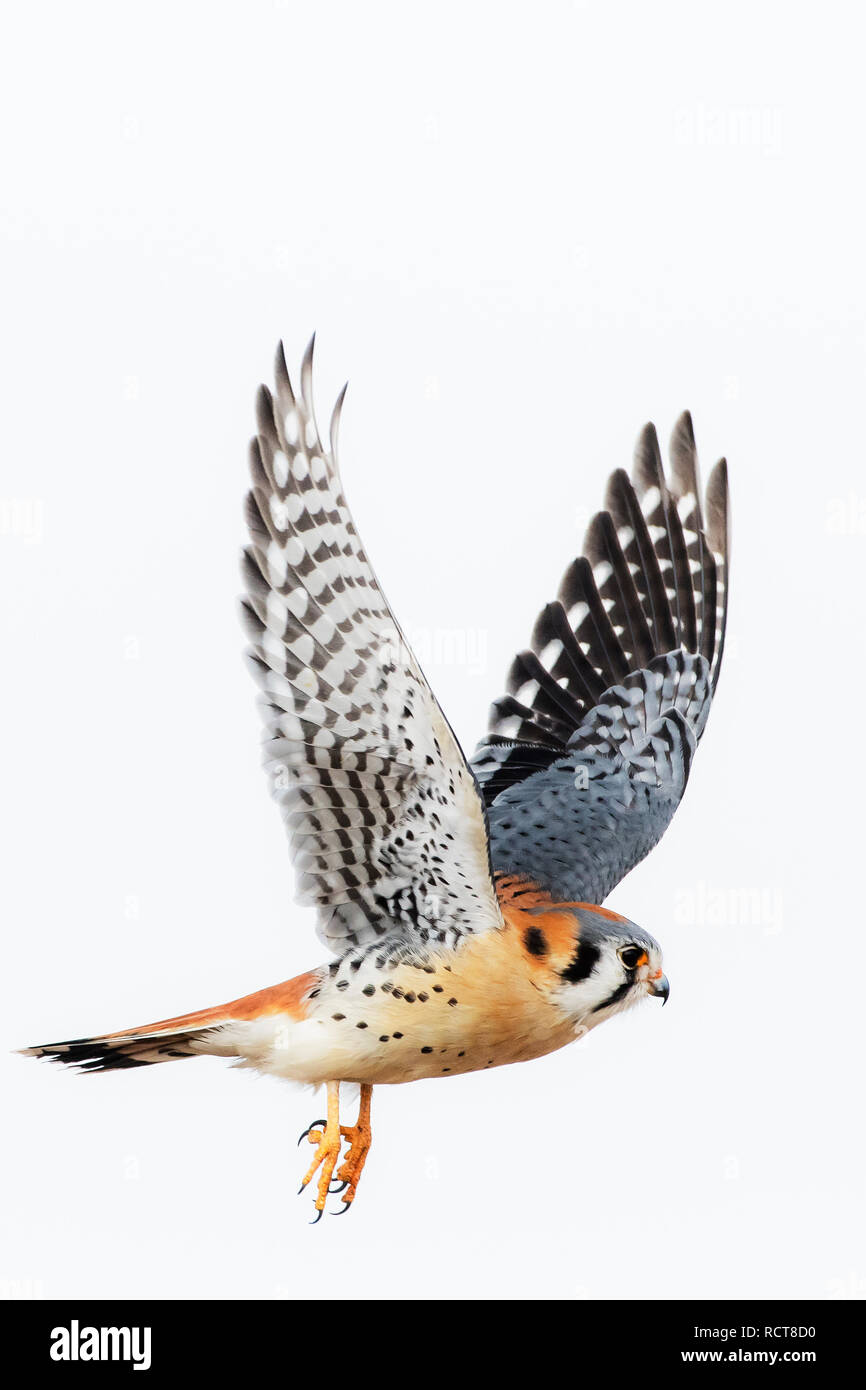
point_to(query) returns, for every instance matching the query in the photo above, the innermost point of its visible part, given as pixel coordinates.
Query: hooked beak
(660, 987)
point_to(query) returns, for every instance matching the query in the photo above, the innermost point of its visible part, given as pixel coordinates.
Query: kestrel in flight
(459, 897)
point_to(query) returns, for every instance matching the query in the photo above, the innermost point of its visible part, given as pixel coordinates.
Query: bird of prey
(460, 897)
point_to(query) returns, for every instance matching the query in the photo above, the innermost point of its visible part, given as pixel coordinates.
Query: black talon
(315, 1125)
(346, 1206)
(301, 1188)
(317, 1217)
(342, 1188)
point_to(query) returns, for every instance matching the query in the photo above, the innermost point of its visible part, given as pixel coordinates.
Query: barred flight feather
(385, 821)
(615, 690)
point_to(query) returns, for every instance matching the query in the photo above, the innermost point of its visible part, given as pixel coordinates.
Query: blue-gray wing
(588, 753)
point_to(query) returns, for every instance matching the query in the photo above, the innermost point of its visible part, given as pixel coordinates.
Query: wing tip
(717, 508)
(683, 452)
(281, 373)
(684, 428)
(648, 469)
(265, 418)
(336, 416)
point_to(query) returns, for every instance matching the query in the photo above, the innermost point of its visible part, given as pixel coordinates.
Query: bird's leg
(328, 1142)
(360, 1138)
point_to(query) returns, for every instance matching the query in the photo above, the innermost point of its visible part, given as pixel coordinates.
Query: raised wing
(588, 754)
(385, 821)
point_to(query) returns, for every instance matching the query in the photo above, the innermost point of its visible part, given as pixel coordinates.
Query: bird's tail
(217, 1032)
(188, 1036)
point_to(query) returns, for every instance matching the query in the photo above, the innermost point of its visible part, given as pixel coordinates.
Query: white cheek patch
(587, 1000)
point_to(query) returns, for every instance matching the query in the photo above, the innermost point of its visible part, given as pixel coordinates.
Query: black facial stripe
(614, 998)
(582, 964)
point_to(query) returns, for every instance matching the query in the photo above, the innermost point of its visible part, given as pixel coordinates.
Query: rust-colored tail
(136, 1048)
(207, 1032)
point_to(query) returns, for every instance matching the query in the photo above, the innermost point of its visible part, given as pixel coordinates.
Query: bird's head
(614, 965)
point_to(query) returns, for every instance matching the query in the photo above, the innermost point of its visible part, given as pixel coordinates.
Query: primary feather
(384, 817)
(589, 752)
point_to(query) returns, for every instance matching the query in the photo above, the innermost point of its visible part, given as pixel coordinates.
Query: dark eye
(632, 957)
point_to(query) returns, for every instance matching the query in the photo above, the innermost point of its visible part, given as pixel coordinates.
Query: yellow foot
(349, 1172)
(328, 1136)
(328, 1140)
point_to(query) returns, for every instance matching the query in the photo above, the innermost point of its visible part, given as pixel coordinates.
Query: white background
(521, 231)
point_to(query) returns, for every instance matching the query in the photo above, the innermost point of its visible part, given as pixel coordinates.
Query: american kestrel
(460, 897)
